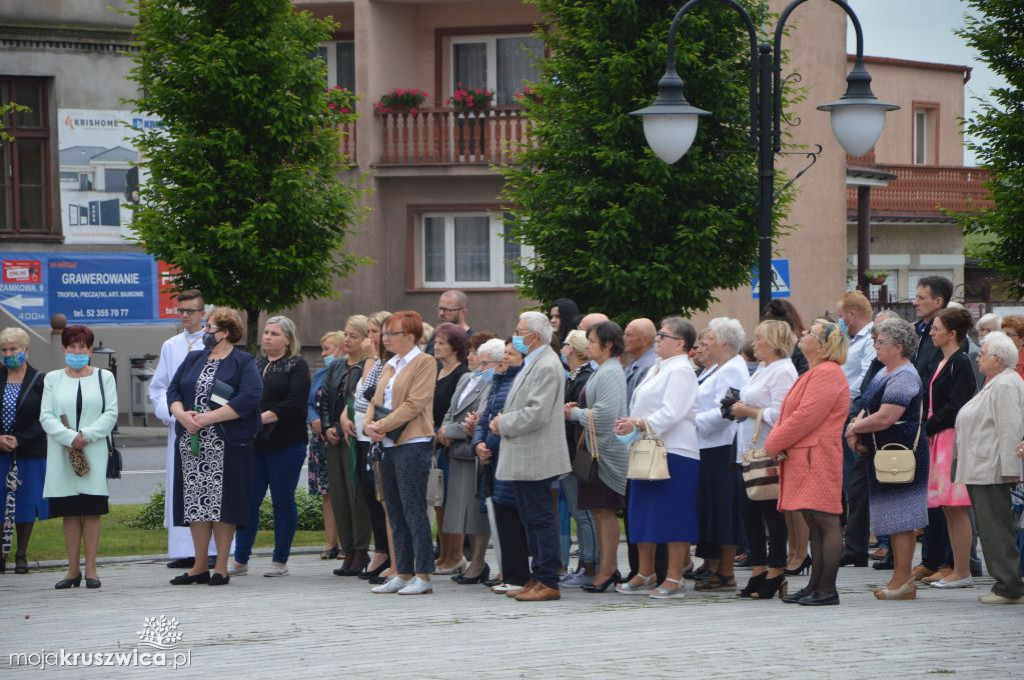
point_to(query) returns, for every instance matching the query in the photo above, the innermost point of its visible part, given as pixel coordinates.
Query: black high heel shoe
(594, 588)
(770, 587)
(753, 585)
(65, 583)
(20, 564)
(484, 574)
(371, 574)
(804, 568)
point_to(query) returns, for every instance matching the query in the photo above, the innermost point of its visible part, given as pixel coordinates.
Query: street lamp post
(670, 123)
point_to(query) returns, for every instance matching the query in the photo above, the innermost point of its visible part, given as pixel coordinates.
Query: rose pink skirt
(941, 490)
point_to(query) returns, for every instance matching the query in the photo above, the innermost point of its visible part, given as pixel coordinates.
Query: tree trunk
(252, 329)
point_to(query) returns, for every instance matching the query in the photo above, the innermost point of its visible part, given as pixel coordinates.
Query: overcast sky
(922, 30)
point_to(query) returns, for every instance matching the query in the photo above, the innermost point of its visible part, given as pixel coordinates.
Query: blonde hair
(332, 338)
(856, 302)
(833, 345)
(288, 326)
(378, 318)
(777, 335)
(16, 335)
(577, 341)
(358, 322)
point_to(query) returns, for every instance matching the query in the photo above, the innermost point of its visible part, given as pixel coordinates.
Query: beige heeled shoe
(908, 591)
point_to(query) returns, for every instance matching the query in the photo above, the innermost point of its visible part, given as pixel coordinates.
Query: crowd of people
(787, 449)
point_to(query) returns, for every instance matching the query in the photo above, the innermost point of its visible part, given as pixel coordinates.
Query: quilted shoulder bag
(760, 471)
(648, 458)
(894, 462)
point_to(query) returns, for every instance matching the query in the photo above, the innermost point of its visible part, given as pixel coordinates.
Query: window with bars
(502, 64)
(340, 57)
(468, 250)
(25, 173)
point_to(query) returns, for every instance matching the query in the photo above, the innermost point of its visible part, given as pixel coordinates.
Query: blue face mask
(14, 360)
(484, 375)
(519, 345)
(77, 361)
(328, 360)
(628, 438)
(842, 326)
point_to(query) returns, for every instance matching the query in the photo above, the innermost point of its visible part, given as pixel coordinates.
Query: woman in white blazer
(987, 458)
(665, 511)
(756, 413)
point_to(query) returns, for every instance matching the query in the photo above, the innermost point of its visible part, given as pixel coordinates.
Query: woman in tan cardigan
(400, 419)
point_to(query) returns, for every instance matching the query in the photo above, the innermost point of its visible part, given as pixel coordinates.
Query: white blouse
(712, 429)
(667, 400)
(766, 390)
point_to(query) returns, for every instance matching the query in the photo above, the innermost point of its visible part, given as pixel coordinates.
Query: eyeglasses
(392, 334)
(662, 336)
(449, 310)
(186, 310)
(879, 342)
(212, 329)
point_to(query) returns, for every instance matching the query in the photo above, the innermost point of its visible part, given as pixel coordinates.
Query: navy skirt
(718, 497)
(29, 504)
(665, 511)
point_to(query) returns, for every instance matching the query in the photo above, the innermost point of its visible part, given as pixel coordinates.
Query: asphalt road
(144, 471)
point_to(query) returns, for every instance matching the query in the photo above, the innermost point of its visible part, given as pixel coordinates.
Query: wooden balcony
(443, 137)
(922, 191)
(348, 141)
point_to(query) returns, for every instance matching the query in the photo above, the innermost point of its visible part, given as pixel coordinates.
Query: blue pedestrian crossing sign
(780, 280)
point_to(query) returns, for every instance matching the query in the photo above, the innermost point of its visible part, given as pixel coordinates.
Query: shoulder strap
(920, 424)
(757, 427)
(593, 436)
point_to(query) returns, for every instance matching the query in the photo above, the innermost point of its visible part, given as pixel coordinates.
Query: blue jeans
(585, 531)
(533, 500)
(280, 471)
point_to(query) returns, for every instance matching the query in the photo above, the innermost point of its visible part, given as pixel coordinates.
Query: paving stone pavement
(312, 624)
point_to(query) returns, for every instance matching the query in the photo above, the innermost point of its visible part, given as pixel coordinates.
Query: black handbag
(585, 460)
(114, 462)
(461, 449)
(380, 412)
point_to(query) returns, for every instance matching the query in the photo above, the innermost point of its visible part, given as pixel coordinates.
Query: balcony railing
(927, 190)
(442, 136)
(348, 141)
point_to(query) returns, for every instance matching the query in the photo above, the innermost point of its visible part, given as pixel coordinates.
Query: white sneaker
(276, 569)
(505, 589)
(239, 570)
(392, 585)
(417, 586)
(578, 579)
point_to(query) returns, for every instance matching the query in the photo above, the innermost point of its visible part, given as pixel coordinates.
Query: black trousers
(757, 516)
(855, 538)
(515, 551)
(368, 491)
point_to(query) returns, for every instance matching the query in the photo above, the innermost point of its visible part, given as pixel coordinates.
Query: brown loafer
(539, 593)
(920, 571)
(529, 585)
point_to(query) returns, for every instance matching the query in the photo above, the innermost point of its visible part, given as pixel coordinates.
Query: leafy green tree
(996, 31)
(244, 194)
(614, 227)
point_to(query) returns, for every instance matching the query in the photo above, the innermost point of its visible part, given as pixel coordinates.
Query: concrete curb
(131, 559)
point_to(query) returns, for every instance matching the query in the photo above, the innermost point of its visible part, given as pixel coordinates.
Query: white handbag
(648, 458)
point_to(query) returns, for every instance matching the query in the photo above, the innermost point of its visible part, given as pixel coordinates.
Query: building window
(340, 57)
(25, 160)
(468, 250)
(925, 118)
(502, 64)
(916, 275)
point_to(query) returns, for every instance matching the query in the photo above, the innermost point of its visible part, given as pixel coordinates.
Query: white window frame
(496, 245)
(332, 60)
(915, 275)
(491, 41)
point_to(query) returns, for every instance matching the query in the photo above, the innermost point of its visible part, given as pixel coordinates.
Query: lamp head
(670, 123)
(858, 117)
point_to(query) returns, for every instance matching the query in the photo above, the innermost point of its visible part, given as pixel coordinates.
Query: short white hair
(729, 331)
(990, 319)
(492, 350)
(1000, 347)
(539, 324)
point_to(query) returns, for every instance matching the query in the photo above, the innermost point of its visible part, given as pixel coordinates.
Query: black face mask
(210, 340)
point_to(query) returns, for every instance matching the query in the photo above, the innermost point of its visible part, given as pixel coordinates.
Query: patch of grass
(118, 538)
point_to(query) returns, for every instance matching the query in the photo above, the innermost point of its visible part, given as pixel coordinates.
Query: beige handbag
(435, 484)
(760, 471)
(648, 458)
(894, 462)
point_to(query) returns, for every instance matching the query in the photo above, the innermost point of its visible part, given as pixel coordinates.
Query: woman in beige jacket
(988, 459)
(401, 420)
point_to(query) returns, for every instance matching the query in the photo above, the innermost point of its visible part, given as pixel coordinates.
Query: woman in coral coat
(809, 432)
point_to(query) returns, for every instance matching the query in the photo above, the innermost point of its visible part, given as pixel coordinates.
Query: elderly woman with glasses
(988, 454)
(893, 415)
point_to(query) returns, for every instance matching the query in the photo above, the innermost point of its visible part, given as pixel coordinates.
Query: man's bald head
(639, 337)
(592, 320)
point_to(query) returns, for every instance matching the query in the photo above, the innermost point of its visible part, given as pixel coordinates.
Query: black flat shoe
(218, 579)
(374, 573)
(804, 567)
(491, 582)
(65, 583)
(484, 574)
(182, 563)
(793, 598)
(884, 564)
(851, 560)
(595, 588)
(187, 580)
(816, 600)
(20, 565)
(92, 583)
(753, 584)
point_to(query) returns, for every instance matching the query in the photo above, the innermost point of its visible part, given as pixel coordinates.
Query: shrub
(152, 514)
(311, 514)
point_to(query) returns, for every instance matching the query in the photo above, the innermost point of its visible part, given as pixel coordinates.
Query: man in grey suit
(533, 449)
